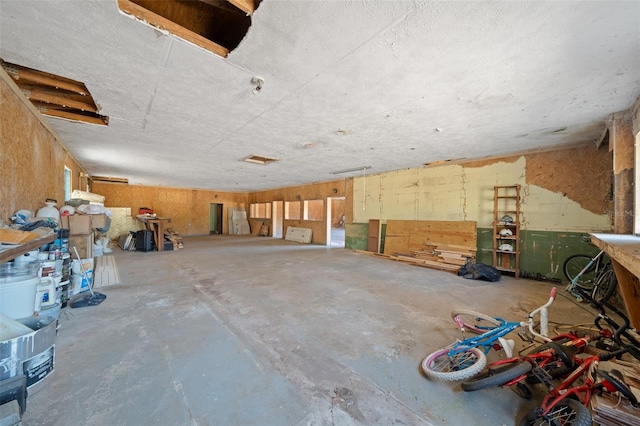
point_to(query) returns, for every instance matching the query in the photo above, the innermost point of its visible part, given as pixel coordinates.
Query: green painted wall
(541, 252)
(356, 236)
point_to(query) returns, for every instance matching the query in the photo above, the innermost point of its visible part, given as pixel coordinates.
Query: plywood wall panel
(32, 156)
(187, 208)
(413, 235)
(316, 191)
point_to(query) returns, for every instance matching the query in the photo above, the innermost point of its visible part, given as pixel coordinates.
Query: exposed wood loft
(56, 96)
(217, 26)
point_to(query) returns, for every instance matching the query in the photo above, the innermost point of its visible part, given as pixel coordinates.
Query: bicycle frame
(583, 392)
(589, 365)
(542, 358)
(487, 340)
(575, 279)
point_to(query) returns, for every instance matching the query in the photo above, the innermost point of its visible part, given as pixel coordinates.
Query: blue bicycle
(466, 358)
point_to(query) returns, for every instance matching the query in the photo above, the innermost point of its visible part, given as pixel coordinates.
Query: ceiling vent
(56, 96)
(260, 159)
(215, 25)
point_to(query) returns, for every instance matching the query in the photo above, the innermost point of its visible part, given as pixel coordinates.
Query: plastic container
(49, 211)
(20, 299)
(12, 272)
(31, 256)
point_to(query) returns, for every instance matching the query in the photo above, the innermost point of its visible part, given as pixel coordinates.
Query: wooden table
(624, 251)
(157, 225)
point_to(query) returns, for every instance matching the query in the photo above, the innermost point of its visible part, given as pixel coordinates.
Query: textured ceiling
(391, 84)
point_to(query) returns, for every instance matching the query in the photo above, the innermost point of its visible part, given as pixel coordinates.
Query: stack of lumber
(105, 271)
(445, 257)
(443, 245)
(175, 238)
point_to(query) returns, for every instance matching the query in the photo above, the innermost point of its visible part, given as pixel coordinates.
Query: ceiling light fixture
(353, 169)
(258, 81)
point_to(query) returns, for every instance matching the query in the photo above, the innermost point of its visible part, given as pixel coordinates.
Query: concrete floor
(235, 330)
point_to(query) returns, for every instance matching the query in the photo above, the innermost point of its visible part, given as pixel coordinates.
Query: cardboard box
(84, 245)
(98, 220)
(77, 224)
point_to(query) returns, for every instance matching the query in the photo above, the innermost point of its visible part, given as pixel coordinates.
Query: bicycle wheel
(475, 321)
(566, 412)
(496, 376)
(562, 363)
(576, 263)
(462, 365)
(605, 286)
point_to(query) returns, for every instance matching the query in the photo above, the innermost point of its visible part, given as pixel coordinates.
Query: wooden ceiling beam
(224, 5)
(69, 115)
(52, 97)
(163, 23)
(247, 6)
(28, 76)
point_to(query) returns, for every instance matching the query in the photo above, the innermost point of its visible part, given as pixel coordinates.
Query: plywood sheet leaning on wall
(404, 236)
(443, 245)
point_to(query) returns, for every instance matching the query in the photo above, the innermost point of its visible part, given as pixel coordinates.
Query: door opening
(336, 215)
(215, 218)
(277, 213)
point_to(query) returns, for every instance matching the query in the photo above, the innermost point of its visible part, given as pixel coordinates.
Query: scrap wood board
(440, 245)
(408, 235)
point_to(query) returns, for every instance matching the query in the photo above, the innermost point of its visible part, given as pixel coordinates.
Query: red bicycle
(568, 402)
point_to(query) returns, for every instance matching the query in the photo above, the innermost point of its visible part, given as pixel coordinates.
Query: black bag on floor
(479, 271)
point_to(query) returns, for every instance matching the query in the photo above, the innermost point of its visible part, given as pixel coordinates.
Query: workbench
(624, 251)
(157, 225)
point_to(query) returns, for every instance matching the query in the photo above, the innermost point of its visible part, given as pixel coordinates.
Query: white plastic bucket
(19, 299)
(29, 257)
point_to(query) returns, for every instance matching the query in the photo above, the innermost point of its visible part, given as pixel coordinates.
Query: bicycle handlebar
(543, 317)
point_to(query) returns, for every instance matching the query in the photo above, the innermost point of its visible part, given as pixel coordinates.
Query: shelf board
(506, 252)
(499, 237)
(502, 268)
(7, 255)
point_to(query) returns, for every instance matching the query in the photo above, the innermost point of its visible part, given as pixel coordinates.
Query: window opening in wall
(292, 210)
(67, 183)
(260, 211)
(215, 25)
(56, 96)
(313, 210)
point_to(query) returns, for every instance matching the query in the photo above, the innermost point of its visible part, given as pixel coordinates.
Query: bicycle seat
(565, 353)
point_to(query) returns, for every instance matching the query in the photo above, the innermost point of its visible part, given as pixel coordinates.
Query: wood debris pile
(175, 238)
(445, 257)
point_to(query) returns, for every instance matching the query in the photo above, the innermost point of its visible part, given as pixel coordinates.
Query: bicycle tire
(497, 376)
(605, 286)
(615, 378)
(566, 412)
(439, 365)
(553, 369)
(576, 263)
(475, 322)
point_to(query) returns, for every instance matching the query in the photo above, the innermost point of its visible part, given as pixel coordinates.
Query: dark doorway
(215, 218)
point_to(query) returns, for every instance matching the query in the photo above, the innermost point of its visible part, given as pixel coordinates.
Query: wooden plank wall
(404, 236)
